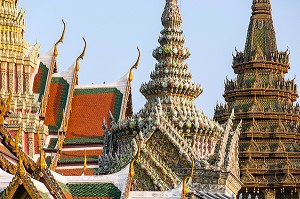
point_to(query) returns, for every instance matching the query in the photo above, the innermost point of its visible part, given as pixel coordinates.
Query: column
(26, 79)
(31, 144)
(3, 76)
(11, 77)
(19, 76)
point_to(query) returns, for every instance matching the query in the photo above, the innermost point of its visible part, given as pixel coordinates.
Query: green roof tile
(95, 190)
(52, 143)
(64, 188)
(78, 159)
(84, 140)
(44, 195)
(63, 101)
(43, 80)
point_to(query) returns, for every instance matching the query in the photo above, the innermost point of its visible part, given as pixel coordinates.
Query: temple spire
(171, 76)
(171, 17)
(261, 7)
(261, 38)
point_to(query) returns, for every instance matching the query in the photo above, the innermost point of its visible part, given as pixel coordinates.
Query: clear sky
(113, 29)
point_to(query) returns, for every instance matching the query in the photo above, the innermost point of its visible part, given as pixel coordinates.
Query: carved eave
(24, 181)
(7, 165)
(262, 64)
(269, 93)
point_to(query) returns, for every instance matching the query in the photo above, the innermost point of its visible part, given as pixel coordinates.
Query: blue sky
(113, 29)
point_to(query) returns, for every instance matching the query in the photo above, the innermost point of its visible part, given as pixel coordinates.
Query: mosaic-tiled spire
(172, 90)
(261, 39)
(170, 135)
(171, 76)
(264, 100)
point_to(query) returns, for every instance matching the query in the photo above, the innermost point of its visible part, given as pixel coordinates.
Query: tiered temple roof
(50, 125)
(39, 115)
(264, 100)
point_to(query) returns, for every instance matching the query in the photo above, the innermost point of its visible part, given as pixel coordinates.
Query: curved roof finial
(61, 40)
(135, 65)
(81, 56)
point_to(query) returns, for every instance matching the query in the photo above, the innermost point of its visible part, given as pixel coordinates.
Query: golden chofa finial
(84, 163)
(135, 65)
(21, 168)
(81, 56)
(185, 181)
(16, 137)
(61, 40)
(43, 163)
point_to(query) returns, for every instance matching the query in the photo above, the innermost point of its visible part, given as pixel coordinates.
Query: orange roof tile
(68, 154)
(75, 172)
(88, 112)
(53, 105)
(37, 80)
(40, 80)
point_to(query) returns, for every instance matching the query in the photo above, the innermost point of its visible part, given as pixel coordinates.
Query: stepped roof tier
(40, 110)
(264, 100)
(170, 140)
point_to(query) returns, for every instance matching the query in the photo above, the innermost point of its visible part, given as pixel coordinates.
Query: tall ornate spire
(264, 100)
(261, 39)
(169, 126)
(171, 76)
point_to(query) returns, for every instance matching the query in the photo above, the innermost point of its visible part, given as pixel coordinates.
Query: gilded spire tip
(81, 56)
(61, 39)
(135, 65)
(171, 17)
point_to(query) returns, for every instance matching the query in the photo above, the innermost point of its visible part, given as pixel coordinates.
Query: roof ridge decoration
(135, 65)
(72, 79)
(52, 69)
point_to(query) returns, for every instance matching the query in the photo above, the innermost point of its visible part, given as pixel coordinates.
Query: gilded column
(20, 82)
(3, 76)
(11, 67)
(26, 79)
(31, 144)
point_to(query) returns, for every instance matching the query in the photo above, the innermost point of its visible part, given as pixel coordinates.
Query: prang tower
(264, 100)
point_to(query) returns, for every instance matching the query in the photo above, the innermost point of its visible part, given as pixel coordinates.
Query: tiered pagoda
(265, 101)
(170, 142)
